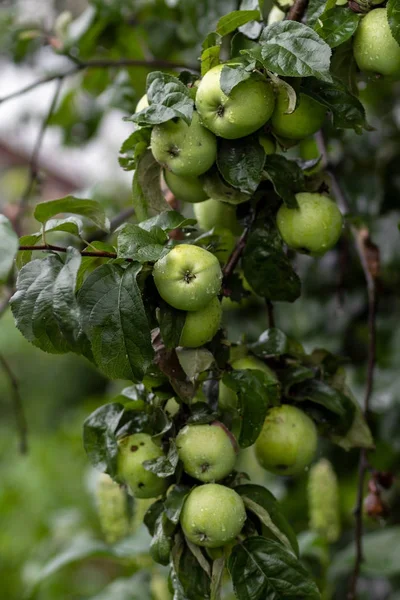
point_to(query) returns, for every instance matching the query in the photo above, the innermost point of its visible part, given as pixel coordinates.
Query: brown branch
(38, 83)
(297, 11)
(368, 254)
(52, 248)
(236, 254)
(20, 418)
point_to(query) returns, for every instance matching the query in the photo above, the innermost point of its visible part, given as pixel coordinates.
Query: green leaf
(337, 25)
(192, 580)
(99, 437)
(168, 99)
(32, 305)
(236, 19)
(194, 361)
(286, 177)
(90, 209)
(359, 434)
(8, 248)
(257, 496)
(321, 393)
(393, 15)
(256, 392)
(90, 263)
(267, 268)
(218, 568)
(273, 342)
(241, 163)
(316, 8)
(161, 544)
(231, 76)
(141, 245)
(210, 52)
(167, 221)
(70, 225)
(24, 256)
(164, 466)
(261, 568)
(347, 111)
(146, 190)
(133, 147)
(115, 322)
(380, 553)
(174, 502)
(65, 307)
(171, 323)
(292, 49)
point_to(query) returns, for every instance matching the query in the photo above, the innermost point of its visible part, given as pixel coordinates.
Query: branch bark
(20, 418)
(297, 11)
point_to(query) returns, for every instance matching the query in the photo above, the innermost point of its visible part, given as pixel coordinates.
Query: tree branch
(368, 254)
(20, 418)
(297, 11)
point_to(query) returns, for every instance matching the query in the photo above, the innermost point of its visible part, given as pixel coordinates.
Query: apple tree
(244, 167)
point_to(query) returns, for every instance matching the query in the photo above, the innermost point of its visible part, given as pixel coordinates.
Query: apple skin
(217, 189)
(246, 109)
(227, 398)
(186, 150)
(142, 104)
(188, 277)
(225, 245)
(314, 227)
(213, 213)
(133, 451)
(201, 325)
(213, 515)
(287, 442)
(375, 49)
(208, 452)
(186, 189)
(276, 15)
(268, 143)
(305, 120)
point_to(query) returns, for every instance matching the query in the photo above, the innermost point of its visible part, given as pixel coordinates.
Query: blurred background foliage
(49, 526)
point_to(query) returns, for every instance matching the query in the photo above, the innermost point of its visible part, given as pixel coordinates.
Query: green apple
(227, 398)
(375, 49)
(225, 244)
(305, 120)
(133, 450)
(188, 277)
(217, 189)
(187, 150)
(246, 109)
(142, 104)
(314, 227)
(287, 442)
(186, 189)
(213, 515)
(276, 15)
(267, 142)
(213, 213)
(208, 452)
(201, 325)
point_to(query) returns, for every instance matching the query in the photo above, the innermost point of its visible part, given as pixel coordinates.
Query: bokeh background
(51, 543)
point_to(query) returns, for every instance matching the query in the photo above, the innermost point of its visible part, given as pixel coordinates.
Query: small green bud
(323, 500)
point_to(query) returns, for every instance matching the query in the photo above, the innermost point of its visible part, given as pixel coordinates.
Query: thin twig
(297, 11)
(38, 83)
(368, 254)
(5, 300)
(34, 161)
(20, 418)
(236, 253)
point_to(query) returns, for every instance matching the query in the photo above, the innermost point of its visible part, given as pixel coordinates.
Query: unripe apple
(225, 245)
(187, 189)
(287, 442)
(227, 398)
(375, 49)
(267, 142)
(201, 325)
(276, 15)
(305, 120)
(142, 104)
(188, 277)
(246, 109)
(208, 452)
(314, 227)
(187, 150)
(213, 515)
(133, 451)
(212, 213)
(217, 189)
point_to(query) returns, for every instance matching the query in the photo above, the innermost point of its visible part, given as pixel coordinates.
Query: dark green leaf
(141, 245)
(393, 15)
(167, 220)
(236, 19)
(115, 321)
(171, 323)
(194, 581)
(241, 163)
(210, 52)
(347, 111)
(146, 189)
(218, 568)
(261, 568)
(279, 525)
(231, 76)
(164, 466)
(316, 8)
(268, 269)
(99, 437)
(292, 49)
(161, 544)
(321, 393)
(337, 25)
(152, 514)
(286, 177)
(294, 374)
(8, 247)
(273, 342)
(256, 392)
(69, 204)
(133, 147)
(194, 361)
(32, 305)
(174, 502)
